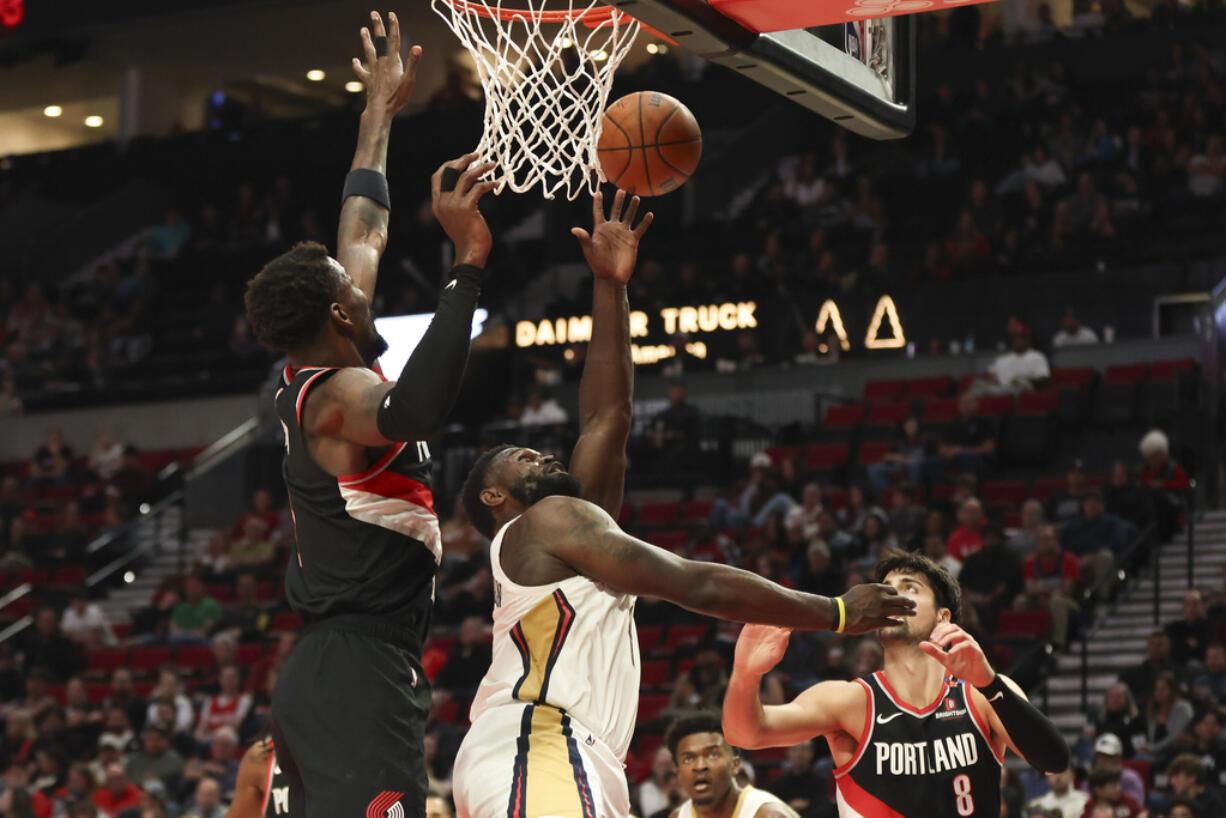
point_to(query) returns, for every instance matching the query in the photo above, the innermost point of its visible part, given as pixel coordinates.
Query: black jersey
(276, 788)
(366, 543)
(931, 763)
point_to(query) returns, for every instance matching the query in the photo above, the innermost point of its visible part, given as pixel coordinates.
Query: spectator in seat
(967, 444)
(170, 689)
(182, 742)
(906, 515)
(79, 786)
(52, 461)
(1128, 500)
(1210, 684)
(80, 713)
(967, 538)
(133, 483)
(261, 509)
(122, 697)
(1072, 332)
(1179, 807)
(84, 623)
(1186, 774)
(1118, 716)
(1106, 790)
(760, 499)
(1108, 755)
(804, 516)
(819, 575)
(991, 577)
(207, 801)
(1167, 715)
(67, 542)
(254, 550)
(118, 731)
(1022, 369)
(105, 456)
(674, 431)
(1065, 506)
(196, 615)
(937, 551)
(906, 458)
(1207, 170)
(1167, 479)
(256, 678)
(660, 791)
(873, 539)
(1140, 679)
(1024, 541)
(220, 763)
(1191, 635)
(215, 564)
(1096, 537)
(800, 785)
(542, 410)
(248, 619)
(1051, 576)
(227, 708)
(1207, 744)
(117, 794)
(468, 662)
(702, 686)
(156, 759)
(1067, 801)
(47, 648)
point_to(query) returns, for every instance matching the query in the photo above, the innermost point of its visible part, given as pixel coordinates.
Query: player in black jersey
(925, 737)
(261, 789)
(350, 705)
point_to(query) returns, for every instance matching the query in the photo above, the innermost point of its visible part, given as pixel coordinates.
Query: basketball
(650, 143)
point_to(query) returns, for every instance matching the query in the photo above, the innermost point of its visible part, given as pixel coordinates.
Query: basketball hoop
(546, 76)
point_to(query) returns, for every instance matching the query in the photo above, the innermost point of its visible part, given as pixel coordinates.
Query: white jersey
(747, 805)
(570, 645)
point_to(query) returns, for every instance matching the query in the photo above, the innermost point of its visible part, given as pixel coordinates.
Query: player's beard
(904, 633)
(373, 346)
(531, 489)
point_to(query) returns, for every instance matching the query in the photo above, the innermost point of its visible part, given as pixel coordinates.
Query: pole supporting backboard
(797, 64)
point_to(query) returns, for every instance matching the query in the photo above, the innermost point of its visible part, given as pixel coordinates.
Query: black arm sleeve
(422, 397)
(1032, 733)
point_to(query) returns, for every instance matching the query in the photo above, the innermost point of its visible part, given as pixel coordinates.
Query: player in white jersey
(552, 719)
(707, 768)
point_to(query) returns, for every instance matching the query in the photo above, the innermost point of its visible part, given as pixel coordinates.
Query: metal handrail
(220, 449)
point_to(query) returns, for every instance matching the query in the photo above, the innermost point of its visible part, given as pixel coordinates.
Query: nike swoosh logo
(387, 402)
(887, 719)
(450, 285)
(1000, 694)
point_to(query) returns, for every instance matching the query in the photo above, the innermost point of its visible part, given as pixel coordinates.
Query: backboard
(835, 59)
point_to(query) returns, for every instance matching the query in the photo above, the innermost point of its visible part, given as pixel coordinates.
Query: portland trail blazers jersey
(931, 763)
(366, 543)
(276, 788)
(568, 645)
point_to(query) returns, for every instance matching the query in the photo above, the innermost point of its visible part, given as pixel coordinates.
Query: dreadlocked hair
(288, 301)
(478, 512)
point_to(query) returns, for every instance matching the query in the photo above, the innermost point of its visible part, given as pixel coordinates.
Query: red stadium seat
(889, 414)
(121, 629)
(1023, 624)
(651, 705)
(148, 660)
(222, 592)
(269, 590)
(1004, 493)
(649, 638)
(1046, 402)
(940, 410)
(929, 387)
(107, 659)
(1045, 487)
(778, 454)
(684, 635)
(97, 692)
(826, 456)
(995, 406)
(1142, 768)
(35, 576)
(871, 451)
(625, 517)
(73, 575)
(1125, 373)
(884, 390)
(143, 688)
(1012, 519)
(287, 622)
(698, 511)
(1166, 370)
(249, 653)
(847, 416)
(655, 673)
(1080, 377)
(657, 514)
(193, 658)
(18, 607)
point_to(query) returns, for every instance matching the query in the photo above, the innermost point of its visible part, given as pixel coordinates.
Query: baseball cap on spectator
(110, 740)
(1109, 744)
(761, 460)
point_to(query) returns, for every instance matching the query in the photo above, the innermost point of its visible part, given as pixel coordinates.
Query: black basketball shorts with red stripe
(349, 715)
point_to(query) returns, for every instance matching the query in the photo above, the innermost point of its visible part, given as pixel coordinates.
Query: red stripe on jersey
(378, 370)
(894, 697)
(395, 485)
(302, 392)
(288, 374)
(863, 741)
(980, 722)
(380, 465)
(272, 766)
(864, 804)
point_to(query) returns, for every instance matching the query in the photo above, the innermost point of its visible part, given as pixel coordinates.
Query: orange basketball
(650, 143)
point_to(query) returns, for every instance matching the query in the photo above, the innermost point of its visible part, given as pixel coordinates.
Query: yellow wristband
(838, 603)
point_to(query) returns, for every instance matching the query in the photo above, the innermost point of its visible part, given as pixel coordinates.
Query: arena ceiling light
(316, 75)
(354, 87)
(93, 121)
(53, 111)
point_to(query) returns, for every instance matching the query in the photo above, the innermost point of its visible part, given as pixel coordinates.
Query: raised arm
(585, 538)
(252, 779)
(358, 406)
(362, 235)
(607, 386)
(822, 709)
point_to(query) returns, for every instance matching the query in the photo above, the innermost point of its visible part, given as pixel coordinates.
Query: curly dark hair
(478, 512)
(288, 301)
(944, 587)
(701, 722)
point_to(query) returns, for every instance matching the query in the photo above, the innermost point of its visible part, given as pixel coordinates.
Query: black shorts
(348, 718)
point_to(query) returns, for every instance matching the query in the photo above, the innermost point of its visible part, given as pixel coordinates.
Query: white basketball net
(546, 78)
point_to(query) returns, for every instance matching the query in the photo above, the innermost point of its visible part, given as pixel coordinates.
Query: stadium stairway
(1116, 640)
(164, 561)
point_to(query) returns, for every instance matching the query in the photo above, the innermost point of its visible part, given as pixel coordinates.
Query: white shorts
(534, 761)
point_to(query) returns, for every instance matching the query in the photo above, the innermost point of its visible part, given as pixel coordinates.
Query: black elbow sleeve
(1031, 732)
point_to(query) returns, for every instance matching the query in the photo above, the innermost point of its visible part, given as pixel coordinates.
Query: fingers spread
(618, 203)
(393, 33)
(368, 46)
(361, 71)
(631, 209)
(375, 19)
(597, 208)
(644, 224)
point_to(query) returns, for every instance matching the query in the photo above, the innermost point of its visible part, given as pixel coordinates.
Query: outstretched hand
(961, 655)
(613, 245)
(759, 648)
(456, 209)
(389, 81)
